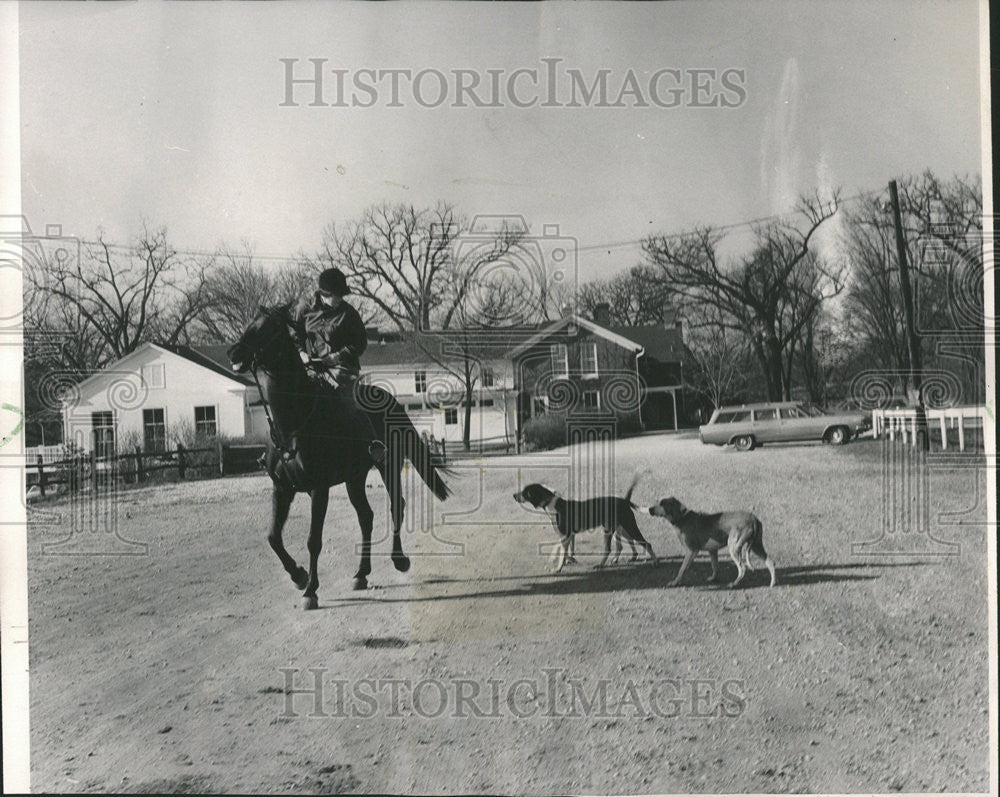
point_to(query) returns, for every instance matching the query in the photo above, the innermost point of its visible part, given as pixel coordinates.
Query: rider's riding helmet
(333, 281)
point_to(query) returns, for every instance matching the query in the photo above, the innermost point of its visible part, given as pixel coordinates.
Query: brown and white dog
(571, 517)
(742, 531)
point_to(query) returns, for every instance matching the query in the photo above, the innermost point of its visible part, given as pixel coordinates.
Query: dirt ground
(478, 671)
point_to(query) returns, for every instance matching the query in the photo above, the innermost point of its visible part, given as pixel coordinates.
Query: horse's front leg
(320, 501)
(281, 502)
(366, 518)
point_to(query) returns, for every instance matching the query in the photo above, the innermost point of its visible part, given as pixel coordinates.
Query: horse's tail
(428, 464)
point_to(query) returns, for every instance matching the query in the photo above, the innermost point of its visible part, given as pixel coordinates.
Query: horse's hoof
(301, 578)
(360, 583)
(401, 562)
(309, 602)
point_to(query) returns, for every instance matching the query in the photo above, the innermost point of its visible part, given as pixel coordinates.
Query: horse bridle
(288, 453)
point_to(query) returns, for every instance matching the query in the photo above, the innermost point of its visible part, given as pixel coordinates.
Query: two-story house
(576, 364)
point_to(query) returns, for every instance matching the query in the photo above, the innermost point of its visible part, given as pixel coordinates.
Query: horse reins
(287, 452)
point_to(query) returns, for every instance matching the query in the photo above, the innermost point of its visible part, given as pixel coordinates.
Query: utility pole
(912, 341)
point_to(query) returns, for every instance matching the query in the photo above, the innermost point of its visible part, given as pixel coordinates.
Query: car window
(791, 412)
(742, 415)
(815, 412)
(765, 415)
(724, 417)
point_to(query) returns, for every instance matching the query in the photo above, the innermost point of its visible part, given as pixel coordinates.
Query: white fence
(904, 423)
(49, 454)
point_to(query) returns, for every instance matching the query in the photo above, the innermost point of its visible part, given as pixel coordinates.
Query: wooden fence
(89, 471)
(451, 450)
(903, 422)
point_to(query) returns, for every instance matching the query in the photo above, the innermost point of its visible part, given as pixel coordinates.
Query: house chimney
(602, 314)
(567, 309)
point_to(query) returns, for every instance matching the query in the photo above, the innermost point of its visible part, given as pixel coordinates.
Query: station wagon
(750, 425)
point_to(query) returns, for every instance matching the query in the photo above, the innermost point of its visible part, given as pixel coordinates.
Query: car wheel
(837, 436)
(744, 442)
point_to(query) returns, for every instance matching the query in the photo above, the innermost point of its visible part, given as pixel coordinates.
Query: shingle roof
(661, 343)
(212, 357)
(419, 348)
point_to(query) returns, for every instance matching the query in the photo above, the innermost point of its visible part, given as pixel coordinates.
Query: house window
(591, 400)
(153, 375)
(204, 421)
(103, 424)
(154, 431)
(588, 359)
(419, 381)
(451, 416)
(488, 376)
(486, 403)
(560, 359)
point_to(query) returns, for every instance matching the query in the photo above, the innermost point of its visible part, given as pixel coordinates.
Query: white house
(434, 395)
(160, 394)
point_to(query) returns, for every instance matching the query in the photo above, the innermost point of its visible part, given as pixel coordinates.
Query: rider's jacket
(335, 337)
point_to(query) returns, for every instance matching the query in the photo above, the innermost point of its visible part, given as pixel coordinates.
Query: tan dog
(742, 531)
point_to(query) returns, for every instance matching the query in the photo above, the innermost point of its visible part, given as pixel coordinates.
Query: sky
(173, 114)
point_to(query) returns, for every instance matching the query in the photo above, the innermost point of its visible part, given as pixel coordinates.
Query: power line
(299, 258)
(722, 228)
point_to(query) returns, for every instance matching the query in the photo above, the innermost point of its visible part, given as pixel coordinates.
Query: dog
(742, 531)
(571, 517)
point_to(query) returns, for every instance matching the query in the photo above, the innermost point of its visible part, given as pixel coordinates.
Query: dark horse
(314, 445)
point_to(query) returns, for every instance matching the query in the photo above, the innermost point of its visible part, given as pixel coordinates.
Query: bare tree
(637, 296)
(942, 222)
(721, 357)
(130, 295)
(409, 263)
(239, 284)
(771, 293)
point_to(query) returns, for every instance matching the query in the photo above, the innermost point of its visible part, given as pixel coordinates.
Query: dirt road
(479, 671)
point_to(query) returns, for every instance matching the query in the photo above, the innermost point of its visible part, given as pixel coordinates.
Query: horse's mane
(282, 311)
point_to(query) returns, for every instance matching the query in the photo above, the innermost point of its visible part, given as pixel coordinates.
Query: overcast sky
(173, 113)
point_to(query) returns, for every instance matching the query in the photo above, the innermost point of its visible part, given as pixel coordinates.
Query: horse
(314, 445)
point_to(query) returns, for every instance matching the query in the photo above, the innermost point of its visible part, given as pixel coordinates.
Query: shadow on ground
(636, 577)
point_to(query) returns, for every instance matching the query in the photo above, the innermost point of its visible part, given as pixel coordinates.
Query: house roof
(213, 357)
(658, 342)
(655, 340)
(419, 348)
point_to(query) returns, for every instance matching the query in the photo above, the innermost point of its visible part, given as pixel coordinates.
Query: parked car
(750, 425)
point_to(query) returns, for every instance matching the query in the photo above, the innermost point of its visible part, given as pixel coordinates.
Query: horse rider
(331, 338)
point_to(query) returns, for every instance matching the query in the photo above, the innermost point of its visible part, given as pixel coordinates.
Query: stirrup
(377, 451)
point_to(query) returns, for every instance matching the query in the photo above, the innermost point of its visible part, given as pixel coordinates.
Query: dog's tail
(628, 494)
